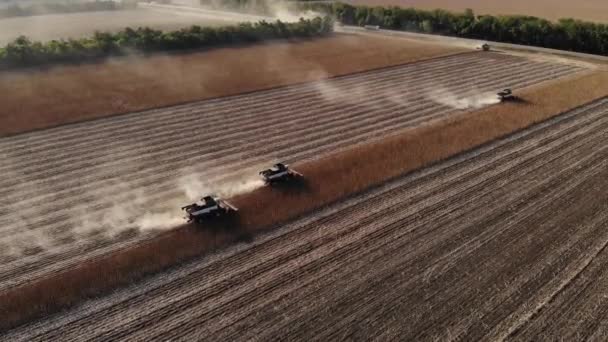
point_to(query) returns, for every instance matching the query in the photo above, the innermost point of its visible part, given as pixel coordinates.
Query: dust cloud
(331, 91)
(276, 10)
(76, 25)
(114, 209)
(143, 211)
(447, 98)
(193, 186)
(280, 10)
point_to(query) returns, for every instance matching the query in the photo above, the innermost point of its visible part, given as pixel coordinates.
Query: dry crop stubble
(328, 180)
(36, 99)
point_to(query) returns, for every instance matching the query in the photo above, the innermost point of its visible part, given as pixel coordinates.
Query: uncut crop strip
(434, 244)
(149, 150)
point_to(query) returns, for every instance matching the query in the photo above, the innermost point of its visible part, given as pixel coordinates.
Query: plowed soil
(507, 241)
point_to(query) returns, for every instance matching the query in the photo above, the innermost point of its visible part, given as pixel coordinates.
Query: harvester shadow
(228, 224)
(297, 186)
(518, 100)
(232, 224)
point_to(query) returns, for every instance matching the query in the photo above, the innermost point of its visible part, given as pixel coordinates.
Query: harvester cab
(209, 207)
(505, 95)
(279, 173)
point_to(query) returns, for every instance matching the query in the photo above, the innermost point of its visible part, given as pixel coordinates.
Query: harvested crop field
(80, 190)
(76, 93)
(490, 244)
(78, 25)
(592, 10)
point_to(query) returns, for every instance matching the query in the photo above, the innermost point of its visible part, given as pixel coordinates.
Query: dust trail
(357, 94)
(25, 243)
(159, 221)
(136, 209)
(281, 11)
(447, 98)
(216, 10)
(194, 185)
(123, 208)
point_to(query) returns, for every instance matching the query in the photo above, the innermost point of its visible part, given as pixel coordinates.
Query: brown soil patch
(328, 180)
(39, 99)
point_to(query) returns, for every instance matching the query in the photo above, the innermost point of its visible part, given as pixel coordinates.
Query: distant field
(593, 10)
(76, 25)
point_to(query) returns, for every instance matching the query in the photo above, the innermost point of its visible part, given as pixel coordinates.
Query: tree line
(565, 34)
(23, 52)
(65, 7)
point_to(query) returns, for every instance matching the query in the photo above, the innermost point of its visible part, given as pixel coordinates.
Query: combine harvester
(484, 47)
(279, 173)
(210, 208)
(505, 95)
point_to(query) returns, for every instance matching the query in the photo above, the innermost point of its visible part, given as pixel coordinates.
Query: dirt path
(66, 189)
(507, 240)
